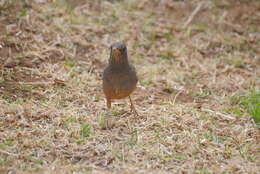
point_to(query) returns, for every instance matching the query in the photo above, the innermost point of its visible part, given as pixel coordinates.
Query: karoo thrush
(119, 77)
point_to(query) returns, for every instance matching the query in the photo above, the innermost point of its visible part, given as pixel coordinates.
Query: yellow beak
(116, 54)
(115, 51)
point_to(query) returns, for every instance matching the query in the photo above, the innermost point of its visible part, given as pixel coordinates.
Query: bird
(119, 77)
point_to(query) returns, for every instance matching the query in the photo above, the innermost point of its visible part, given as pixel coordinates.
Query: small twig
(36, 83)
(218, 113)
(8, 153)
(193, 14)
(175, 97)
(223, 16)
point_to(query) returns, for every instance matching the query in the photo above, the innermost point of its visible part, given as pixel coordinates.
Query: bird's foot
(106, 121)
(134, 110)
(133, 107)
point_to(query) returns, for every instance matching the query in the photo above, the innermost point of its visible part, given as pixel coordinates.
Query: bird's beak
(115, 51)
(116, 54)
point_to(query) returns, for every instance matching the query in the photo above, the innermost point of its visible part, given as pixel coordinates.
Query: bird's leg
(108, 122)
(133, 107)
(108, 103)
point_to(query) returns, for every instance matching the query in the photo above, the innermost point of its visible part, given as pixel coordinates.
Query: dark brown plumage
(119, 77)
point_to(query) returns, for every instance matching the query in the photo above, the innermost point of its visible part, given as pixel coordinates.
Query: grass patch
(85, 130)
(69, 62)
(221, 4)
(251, 103)
(237, 62)
(133, 139)
(53, 112)
(235, 110)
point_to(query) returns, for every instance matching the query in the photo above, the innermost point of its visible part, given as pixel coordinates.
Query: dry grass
(52, 56)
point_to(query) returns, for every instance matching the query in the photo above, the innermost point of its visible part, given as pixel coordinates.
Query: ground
(198, 93)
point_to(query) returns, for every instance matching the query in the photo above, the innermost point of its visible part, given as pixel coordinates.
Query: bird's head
(118, 53)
